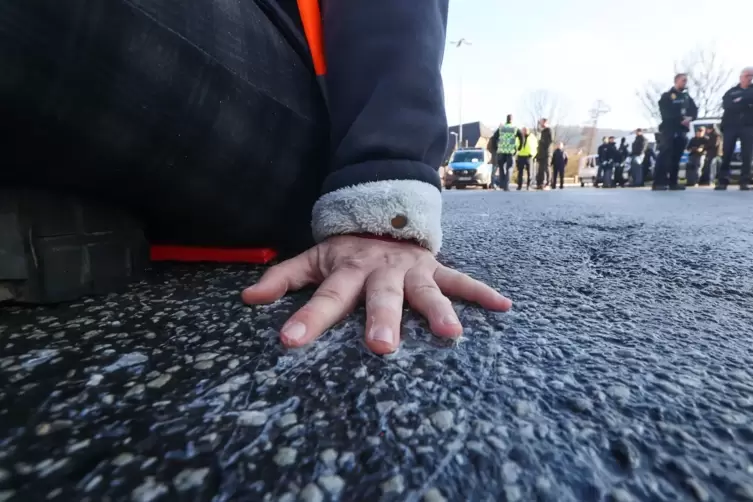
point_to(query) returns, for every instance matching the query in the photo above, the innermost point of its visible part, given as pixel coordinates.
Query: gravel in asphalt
(624, 372)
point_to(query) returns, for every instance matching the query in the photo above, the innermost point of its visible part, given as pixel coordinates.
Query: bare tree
(546, 104)
(708, 78)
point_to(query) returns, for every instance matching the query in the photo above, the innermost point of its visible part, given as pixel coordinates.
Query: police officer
(506, 138)
(737, 124)
(619, 168)
(600, 161)
(611, 158)
(527, 145)
(677, 111)
(637, 150)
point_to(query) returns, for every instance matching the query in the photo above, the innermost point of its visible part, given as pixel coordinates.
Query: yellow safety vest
(530, 147)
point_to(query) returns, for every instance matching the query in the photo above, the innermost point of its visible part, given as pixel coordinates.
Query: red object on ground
(217, 255)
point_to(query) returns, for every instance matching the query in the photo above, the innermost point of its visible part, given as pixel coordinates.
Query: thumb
(290, 275)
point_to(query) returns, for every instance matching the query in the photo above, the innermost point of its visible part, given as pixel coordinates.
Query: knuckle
(426, 289)
(330, 294)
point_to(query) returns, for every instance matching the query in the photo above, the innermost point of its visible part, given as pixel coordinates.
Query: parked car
(469, 167)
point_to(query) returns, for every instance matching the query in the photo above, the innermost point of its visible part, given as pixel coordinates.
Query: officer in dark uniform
(601, 161)
(637, 149)
(677, 111)
(737, 124)
(619, 168)
(611, 157)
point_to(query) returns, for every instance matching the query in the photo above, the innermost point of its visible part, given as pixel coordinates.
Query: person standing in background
(696, 149)
(601, 161)
(619, 168)
(713, 150)
(649, 158)
(526, 145)
(637, 150)
(505, 141)
(559, 163)
(542, 155)
(677, 111)
(491, 147)
(737, 124)
(611, 156)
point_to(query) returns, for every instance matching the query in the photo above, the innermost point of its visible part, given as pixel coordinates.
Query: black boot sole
(55, 248)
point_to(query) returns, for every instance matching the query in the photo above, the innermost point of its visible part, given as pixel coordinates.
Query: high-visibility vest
(529, 148)
(507, 137)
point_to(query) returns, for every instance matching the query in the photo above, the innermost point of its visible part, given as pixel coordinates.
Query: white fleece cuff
(403, 209)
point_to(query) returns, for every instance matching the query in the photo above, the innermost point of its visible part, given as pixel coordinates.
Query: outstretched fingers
(334, 299)
(424, 295)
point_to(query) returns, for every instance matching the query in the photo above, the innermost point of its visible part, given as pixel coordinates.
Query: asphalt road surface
(624, 372)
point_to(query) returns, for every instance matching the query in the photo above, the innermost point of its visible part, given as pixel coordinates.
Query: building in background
(475, 134)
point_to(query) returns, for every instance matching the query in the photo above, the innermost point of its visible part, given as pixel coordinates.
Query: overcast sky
(583, 50)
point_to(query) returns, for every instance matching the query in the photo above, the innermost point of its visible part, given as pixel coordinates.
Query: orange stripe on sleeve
(312, 27)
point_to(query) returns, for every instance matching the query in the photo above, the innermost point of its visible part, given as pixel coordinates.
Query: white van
(587, 169)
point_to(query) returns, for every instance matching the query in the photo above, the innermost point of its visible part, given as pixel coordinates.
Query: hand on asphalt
(349, 269)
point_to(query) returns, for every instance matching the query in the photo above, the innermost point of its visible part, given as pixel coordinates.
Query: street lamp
(457, 141)
(458, 44)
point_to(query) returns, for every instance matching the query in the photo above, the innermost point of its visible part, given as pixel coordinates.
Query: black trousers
(504, 163)
(673, 145)
(558, 171)
(731, 136)
(693, 169)
(619, 178)
(542, 171)
(202, 117)
(524, 164)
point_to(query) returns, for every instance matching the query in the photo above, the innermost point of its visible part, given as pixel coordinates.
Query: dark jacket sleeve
(748, 97)
(388, 129)
(693, 109)
(385, 89)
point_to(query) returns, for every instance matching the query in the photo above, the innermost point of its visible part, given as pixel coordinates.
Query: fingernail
(294, 331)
(381, 334)
(450, 320)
